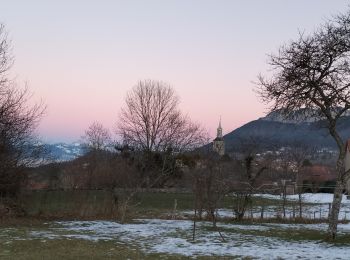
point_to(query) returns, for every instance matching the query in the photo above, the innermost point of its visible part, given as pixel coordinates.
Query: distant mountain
(60, 152)
(300, 116)
(271, 132)
(274, 131)
(63, 151)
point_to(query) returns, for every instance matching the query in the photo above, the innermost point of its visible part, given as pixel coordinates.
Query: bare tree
(312, 73)
(95, 141)
(243, 195)
(209, 186)
(294, 157)
(153, 126)
(5, 56)
(252, 167)
(96, 137)
(18, 121)
(211, 183)
(152, 121)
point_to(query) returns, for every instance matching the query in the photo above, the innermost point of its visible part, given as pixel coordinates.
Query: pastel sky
(81, 57)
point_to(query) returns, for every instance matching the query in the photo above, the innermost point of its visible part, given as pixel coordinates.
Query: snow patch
(307, 197)
(175, 237)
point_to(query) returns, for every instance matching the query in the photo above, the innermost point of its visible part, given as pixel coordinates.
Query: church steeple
(218, 143)
(219, 130)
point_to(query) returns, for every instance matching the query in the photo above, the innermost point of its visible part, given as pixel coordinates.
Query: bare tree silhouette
(313, 73)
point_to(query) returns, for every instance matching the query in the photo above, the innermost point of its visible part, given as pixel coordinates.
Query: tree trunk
(300, 205)
(284, 195)
(337, 198)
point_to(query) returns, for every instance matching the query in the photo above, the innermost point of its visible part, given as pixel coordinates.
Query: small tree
(251, 168)
(211, 183)
(312, 73)
(95, 141)
(96, 137)
(294, 157)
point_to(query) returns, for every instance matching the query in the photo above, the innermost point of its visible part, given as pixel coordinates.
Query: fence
(318, 211)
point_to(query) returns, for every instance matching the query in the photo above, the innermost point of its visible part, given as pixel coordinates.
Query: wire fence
(315, 212)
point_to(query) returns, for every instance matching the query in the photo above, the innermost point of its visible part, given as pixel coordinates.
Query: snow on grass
(175, 237)
(317, 204)
(310, 211)
(307, 197)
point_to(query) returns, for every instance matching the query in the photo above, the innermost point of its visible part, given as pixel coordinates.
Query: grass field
(169, 239)
(97, 204)
(76, 225)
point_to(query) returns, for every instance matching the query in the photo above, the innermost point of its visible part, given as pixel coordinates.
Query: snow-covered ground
(307, 197)
(315, 206)
(175, 237)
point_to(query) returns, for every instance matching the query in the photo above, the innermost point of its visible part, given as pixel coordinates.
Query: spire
(219, 130)
(218, 143)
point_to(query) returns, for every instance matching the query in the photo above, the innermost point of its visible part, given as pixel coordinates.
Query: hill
(273, 131)
(64, 151)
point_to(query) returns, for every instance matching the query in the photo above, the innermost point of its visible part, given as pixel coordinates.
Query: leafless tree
(312, 73)
(18, 121)
(5, 55)
(209, 187)
(211, 182)
(95, 141)
(152, 121)
(96, 137)
(252, 168)
(294, 157)
(154, 127)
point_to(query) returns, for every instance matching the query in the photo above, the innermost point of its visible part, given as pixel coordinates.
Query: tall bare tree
(152, 121)
(18, 121)
(313, 73)
(96, 137)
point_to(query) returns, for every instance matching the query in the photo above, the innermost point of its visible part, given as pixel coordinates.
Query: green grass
(164, 201)
(287, 234)
(98, 204)
(153, 205)
(67, 249)
(16, 242)
(81, 249)
(79, 203)
(185, 201)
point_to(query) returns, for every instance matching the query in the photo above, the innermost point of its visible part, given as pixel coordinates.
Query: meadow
(154, 232)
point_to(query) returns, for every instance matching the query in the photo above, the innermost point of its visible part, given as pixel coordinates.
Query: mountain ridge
(271, 132)
(275, 131)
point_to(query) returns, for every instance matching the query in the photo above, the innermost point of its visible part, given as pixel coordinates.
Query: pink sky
(81, 57)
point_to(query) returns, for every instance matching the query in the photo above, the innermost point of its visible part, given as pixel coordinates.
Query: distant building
(318, 174)
(218, 143)
(317, 178)
(347, 164)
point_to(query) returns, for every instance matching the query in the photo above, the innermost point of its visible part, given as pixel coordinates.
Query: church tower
(218, 143)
